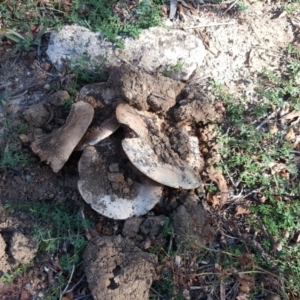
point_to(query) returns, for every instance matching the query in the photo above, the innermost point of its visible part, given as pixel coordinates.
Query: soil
(235, 55)
(126, 271)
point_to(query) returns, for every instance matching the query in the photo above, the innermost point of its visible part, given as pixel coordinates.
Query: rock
(156, 47)
(191, 226)
(59, 98)
(22, 248)
(117, 270)
(152, 225)
(36, 115)
(131, 227)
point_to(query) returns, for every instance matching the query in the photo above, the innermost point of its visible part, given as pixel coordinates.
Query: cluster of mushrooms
(123, 171)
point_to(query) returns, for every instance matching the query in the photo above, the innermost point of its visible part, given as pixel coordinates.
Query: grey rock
(155, 48)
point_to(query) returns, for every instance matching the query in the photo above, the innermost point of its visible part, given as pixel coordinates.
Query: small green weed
(97, 15)
(249, 154)
(172, 70)
(293, 51)
(10, 276)
(95, 66)
(26, 42)
(292, 7)
(56, 227)
(241, 6)
(11, 154)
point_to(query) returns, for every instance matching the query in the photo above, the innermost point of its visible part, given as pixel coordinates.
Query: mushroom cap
(142, 152)
(56, 147)
(98, 133)
(144, 159)
(110, 193)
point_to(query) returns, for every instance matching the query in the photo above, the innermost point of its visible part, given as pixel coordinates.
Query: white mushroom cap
(144, 159)
(98, 133)
(57, 147)
(94, 187)
(140, 150)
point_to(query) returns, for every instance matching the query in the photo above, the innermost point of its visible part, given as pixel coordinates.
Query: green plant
(97, 15)
(56, 226)
(88, 70)
(241, 5)
(173, 69)
(293, 51)
(8, 277)
(250, 155)
(24, 43)
(292, 6)
(11, 154)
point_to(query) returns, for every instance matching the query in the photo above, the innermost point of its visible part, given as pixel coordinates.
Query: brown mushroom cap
(143, 155)
(111, 193)
(57, 147)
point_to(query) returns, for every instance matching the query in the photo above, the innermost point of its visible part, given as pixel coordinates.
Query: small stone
(131, 227)
(115, 177)
(114, 168)
(36, 115)
(24, 138)
(152, 225)
(146, 244)
(28, 178)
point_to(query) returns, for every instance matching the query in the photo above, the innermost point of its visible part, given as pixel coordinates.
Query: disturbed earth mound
(159, 118)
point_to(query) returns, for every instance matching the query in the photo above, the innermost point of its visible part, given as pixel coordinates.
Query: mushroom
(98, 133)
(151, 153)
(57, 147)
(111, 188)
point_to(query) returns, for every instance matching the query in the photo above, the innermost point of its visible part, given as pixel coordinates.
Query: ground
(204, 240)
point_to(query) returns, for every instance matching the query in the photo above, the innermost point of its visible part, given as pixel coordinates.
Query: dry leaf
(273, 129)
(292, 115)
(213, 199)
(290, 136)
(247, 283)
(242, 209)
(217, 177)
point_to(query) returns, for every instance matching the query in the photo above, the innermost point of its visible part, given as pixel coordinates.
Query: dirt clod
(117, 270)
(191, 226)
(23, 248)
(131, 227)
(152, 225)
(37, 115)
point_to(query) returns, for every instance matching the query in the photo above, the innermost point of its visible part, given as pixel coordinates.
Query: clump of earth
(158, 134)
